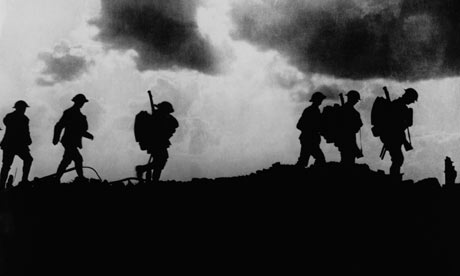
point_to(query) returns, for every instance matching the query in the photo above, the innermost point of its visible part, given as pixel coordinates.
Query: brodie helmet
(353, 94)
(20, 104)
(317, 96)
(166, 107)
(80, 98)
(411, 93)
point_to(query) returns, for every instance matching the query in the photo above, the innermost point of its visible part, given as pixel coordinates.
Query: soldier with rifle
(391, 124)
(153, 134)
(350, 125)
(75, 127)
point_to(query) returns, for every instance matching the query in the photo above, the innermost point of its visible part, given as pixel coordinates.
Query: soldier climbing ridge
(75, 127)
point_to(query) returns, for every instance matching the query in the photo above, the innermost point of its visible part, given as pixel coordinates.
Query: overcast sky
(239, 74)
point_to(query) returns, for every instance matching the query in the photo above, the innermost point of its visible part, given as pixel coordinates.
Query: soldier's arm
(29, 139)
(58, 128)
(86, 134)
(6, 120)
(360, 124)
(302, 121)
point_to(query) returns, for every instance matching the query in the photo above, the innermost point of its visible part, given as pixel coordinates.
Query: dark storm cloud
(63, 64)
(163, 33)
(397, 39)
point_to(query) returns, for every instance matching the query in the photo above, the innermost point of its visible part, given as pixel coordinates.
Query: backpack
(143, 129)
(331, 123)
(381, 109)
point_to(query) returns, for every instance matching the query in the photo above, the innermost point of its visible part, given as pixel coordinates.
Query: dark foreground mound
(280, 220)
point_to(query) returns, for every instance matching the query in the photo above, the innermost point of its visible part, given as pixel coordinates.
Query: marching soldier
(351, 123)
(310, 126)
(75, 127)
(16, 142)
(162, 126)
(394, 137)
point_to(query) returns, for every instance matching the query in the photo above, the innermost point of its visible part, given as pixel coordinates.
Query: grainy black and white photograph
(229, 136)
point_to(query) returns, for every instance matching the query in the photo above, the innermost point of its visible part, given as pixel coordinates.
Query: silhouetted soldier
(163, 127)
(310, 126)
(16, 142)
(76, 127)
(350, 125)
(394, 137)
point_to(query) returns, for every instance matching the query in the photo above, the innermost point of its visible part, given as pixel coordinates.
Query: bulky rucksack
(331, 123)
(380, 112)
(143, 129)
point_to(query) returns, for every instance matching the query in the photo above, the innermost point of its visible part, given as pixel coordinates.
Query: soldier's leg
(397, 159)
(348, 154)
(27, 159)
(304, 156)
(8, 157)
(318, 154)
(159, 163)
(344, 155)
(66, 159)
(147, 168)
(78, 160)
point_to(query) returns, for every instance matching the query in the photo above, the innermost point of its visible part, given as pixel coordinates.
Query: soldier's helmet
(80, 98)
(411, 93)
(166, 107)
(317, 96)
(353, 94)
(20, 104)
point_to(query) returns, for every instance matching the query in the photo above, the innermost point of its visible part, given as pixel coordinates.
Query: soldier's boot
(26, 170)
(61, 169)
(156, 176)
(139, 171)
(9, 182)
(148, 175)
(395, 173)
(79, 169)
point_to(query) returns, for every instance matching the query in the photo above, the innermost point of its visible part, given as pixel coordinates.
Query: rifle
(387, 97)
(152, 105)
(342, 101)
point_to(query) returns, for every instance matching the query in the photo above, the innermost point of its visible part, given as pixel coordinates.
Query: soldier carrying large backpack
(350, 125)
(152, 132)
(310, 126)
(390, 120)
(340, 124)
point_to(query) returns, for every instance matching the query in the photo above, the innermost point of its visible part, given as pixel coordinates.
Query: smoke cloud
(163, 33)
(404, 40)
(64, 64)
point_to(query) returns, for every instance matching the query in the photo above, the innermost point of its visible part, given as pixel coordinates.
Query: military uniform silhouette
(310, 126)
(164, 125)
(394, 138)
(76, 127)
(351, 123)
(16, 142)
